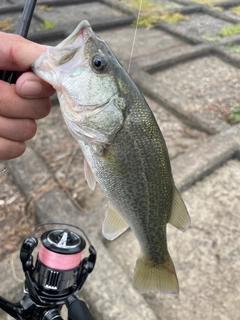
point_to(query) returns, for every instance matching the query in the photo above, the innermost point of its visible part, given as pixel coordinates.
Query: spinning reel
(58, 275)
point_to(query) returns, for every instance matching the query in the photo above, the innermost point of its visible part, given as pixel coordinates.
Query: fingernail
(31, 88)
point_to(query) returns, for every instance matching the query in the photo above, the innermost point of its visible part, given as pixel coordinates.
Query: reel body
(58, 264)
(58, 275)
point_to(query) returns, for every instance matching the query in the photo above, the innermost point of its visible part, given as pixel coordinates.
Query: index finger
(17, 53)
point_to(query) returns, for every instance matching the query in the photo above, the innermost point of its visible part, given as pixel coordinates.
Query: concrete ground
(191, 84)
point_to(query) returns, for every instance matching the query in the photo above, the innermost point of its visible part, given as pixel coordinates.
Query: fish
(123, 147)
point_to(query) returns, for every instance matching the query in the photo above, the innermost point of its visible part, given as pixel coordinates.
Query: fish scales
(123, 147)
(121, 183)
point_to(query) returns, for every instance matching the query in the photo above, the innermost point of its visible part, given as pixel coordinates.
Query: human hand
(23, 103)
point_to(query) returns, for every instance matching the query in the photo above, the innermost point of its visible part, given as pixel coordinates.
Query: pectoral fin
(89, 175)
(114, 224)
(179, 216)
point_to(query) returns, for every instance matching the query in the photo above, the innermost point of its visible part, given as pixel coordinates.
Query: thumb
(29, 85)
(18, 53)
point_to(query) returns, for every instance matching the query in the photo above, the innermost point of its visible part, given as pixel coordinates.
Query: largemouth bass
(123, 147)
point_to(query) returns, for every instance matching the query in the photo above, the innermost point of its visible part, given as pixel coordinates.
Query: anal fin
(114, 224)
(179, 215)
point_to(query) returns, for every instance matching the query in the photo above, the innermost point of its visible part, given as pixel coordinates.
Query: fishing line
(135, 35)
(57, 260)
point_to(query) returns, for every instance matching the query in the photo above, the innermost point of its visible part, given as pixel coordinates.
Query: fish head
(82, 69)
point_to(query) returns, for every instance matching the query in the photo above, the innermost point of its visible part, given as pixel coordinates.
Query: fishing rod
(25, 21)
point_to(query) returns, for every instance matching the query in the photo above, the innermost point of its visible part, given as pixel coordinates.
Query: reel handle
(77, 309)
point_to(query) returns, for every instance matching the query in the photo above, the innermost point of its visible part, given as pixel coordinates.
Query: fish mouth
(61, 56)
(79, 36)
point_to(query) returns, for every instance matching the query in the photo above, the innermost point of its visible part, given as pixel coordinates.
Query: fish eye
(99, 63)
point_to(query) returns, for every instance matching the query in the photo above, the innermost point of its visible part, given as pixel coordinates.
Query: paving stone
(4, 3)
(165, 94)
(179, 137)
(148, 43)
(76, 13)
(15, 221)
(209, 84)
(201, 24)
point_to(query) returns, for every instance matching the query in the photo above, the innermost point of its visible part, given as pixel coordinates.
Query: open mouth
(78, 37)
(63, 55)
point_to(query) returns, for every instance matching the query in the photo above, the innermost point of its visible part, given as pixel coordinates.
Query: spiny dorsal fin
(179, 215)
(114, 224)
(89, 175)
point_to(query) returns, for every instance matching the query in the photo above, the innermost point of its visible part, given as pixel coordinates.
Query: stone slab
(148, 43)
(75, 13)
(15, 223)
(210, 85)
(167, 96)
(200, 24)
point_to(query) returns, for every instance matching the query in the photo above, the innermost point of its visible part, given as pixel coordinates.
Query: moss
(236, 10)
(173, 18)
(230, 30)
(151, 20)
(47, 24)
(235, 48)
(207, 2)
(147, 21)
(135, 4)
(234, 114)
(152, 13)
(210, 38)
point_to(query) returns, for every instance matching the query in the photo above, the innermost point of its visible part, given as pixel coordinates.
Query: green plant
(47, 24)
(236, 10)
(230, 30)
(234, 114)
(210, 38)
(173, 18)
(147, 21)
(235, 48)
(146, 4)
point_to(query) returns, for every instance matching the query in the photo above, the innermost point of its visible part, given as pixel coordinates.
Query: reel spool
(58, 264)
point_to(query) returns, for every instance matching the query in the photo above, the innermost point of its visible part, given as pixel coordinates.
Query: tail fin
(151, 276)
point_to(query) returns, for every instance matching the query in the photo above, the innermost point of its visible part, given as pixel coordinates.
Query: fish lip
(77, 39)
(79, 36)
